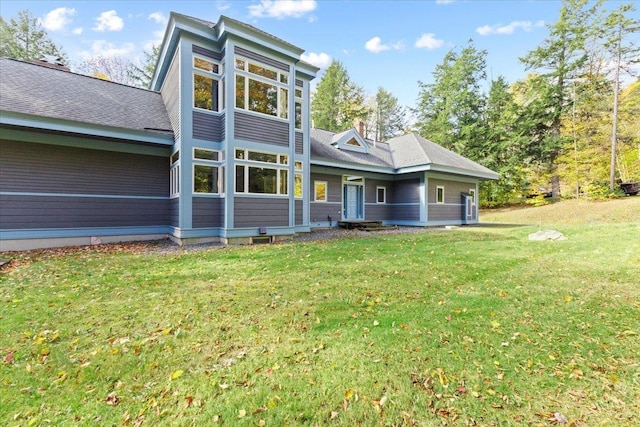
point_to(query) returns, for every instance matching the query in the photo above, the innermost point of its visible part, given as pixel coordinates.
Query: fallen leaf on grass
(113, 400)
(177, 374)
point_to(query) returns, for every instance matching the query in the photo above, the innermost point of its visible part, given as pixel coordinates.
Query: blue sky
(393, 44)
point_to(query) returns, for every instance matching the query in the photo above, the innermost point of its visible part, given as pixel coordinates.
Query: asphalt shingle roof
(410, 150)
(43, 91)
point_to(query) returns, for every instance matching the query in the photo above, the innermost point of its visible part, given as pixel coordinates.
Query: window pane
(298, 93)
(205, 179)
(284, 160)
(200, 153)
(240, 187)
(297, 182)
(262, 157)
(174, 157)
(264, 72)
(298, 165)
(263, 97)
(240, 64)
(239, 154)
(240, 91)
(205, 94)
(284, 181)
(284, 103)
(298, 115)
(381, 195)
(262, 180)
(321, 191)
(440, 195)
(205, 65)
(284, 78)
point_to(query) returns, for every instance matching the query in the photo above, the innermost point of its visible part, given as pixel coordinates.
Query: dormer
(350, 140)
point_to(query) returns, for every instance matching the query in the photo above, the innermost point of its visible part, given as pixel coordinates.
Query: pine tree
(24, 38)
(337, 102)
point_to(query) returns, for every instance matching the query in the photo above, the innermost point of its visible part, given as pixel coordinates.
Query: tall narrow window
(208, 171)
(472, 193)
(207, 90)
(439, 194)
(298, 107)
(381, 194)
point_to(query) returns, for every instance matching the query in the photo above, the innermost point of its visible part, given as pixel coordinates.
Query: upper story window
(298, 112)
(261, 89)
(208, 85)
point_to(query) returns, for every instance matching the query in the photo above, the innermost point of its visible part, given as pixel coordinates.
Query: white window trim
(218, 164)
(174, 180)
(438, 188)
(472, 193)
(315, 191)
(384, 198)
(277, 83)
(279, 166)
(215, 76)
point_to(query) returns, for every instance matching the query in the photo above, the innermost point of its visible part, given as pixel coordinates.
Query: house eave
(26, 121)
(353, 166)
(483, 176)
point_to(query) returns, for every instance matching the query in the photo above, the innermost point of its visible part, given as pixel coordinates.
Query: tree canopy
(24, 38)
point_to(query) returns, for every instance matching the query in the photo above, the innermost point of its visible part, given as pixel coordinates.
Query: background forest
(571, 125)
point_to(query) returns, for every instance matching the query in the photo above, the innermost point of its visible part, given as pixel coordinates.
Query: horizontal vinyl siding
(174, 212)
(406, 191)
(208, 127)
(451, 209)
(405, 212)
(260, 212)
(299, 143)
(261, 129)
(299, 212)
(208, 212)
(37, 212)
(208, 53)
(378, 212)
(321, 211)
(261, 58)
(333, 206)
(44, 168)
(171, 96)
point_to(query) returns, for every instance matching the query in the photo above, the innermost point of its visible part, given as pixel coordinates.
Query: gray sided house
(220, 149)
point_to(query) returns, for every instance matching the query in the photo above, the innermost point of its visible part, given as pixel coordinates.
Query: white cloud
(58, 18)
(107, 49)
(109, 21)
(375, 45)
(321, 60)
(509, 28)
(158, 17)
(428, 41)
(282, 8)
(444, 1)
(77, 31)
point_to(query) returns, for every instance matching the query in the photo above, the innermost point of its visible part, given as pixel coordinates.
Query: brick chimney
(51, 62)
(361, 128)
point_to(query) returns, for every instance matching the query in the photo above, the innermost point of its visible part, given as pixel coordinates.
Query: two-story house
(220, 149)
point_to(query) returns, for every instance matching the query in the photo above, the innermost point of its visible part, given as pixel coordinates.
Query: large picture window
(261, 173)
(261, 89)
(208, 92)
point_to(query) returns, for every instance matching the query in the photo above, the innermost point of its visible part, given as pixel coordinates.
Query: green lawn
(473, 326)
